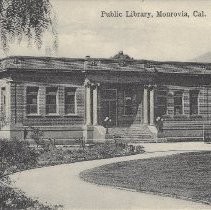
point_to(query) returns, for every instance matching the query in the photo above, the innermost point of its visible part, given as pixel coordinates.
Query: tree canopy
(30, 19)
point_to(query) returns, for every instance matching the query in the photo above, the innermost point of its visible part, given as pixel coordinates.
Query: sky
(83, 32)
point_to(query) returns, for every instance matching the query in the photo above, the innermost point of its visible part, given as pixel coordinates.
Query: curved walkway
(61, 184)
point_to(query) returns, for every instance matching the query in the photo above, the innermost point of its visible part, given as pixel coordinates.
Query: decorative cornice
(88, 83)
(150, 86)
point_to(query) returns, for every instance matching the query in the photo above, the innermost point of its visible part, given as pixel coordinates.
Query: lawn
(186, 175)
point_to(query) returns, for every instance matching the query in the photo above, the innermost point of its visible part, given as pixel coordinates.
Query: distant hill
(205, 58)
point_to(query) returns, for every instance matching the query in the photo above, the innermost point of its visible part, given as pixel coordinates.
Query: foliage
(139, 148)
(81, 142)
(10, 199)
(26, 19)
(36, 135)
(16, 155)
(97, 151)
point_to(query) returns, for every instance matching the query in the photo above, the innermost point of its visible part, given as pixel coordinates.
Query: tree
(29, 19)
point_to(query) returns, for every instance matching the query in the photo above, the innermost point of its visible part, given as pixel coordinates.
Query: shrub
(139, 149)
(96, 151)
(16, 155)
(37, 135)
(81, 142)
(11, 199)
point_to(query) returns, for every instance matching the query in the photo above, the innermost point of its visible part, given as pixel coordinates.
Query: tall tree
(31, 19)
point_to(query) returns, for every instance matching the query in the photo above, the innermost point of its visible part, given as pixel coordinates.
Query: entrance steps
(133, 134)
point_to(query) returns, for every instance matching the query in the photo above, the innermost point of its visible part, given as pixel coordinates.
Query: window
(32, 100)
(128, 102)
(161, 102)
(51, 100)
(178, 102)
(194, 102)
(70, 102)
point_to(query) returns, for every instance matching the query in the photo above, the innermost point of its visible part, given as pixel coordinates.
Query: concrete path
(62, 185)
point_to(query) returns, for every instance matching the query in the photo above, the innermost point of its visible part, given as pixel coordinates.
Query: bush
(13, 199)
(16, 155)
(139, 149)
(96, 151)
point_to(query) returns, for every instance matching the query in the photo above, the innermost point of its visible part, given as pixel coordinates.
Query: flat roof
(102, 64)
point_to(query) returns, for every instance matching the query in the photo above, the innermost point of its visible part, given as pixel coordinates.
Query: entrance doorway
(109, 105)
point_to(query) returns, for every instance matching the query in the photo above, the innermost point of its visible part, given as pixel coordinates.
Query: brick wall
(18, 104)
(186, 126)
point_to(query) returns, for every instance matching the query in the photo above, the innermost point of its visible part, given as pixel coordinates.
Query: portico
(125, 107)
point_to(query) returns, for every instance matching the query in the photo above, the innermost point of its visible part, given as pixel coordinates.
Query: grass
(186, 175)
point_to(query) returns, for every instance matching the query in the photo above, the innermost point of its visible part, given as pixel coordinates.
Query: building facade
(70, 99)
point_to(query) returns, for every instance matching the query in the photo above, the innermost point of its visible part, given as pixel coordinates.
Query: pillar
(152, 106)
(145, 102)
(88, 104)
(95, 105)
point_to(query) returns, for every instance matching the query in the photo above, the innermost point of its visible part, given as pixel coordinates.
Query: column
(88, 104)
(95, 105)
(152, 106)
(145, 102)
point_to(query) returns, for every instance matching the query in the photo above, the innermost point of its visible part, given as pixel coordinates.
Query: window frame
(159, 96)
(73, 89)
(37, 104)
(57, 101)
(182, 102)
(195, 93)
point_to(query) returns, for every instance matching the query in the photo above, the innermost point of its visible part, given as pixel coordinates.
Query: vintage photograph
(105, 104)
